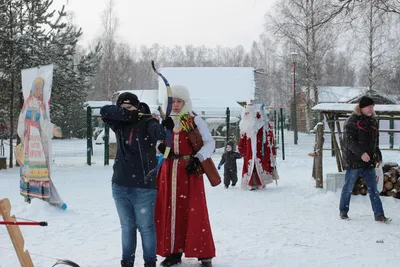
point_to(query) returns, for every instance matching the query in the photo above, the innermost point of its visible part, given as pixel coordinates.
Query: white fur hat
(248, 109)
(181, 92)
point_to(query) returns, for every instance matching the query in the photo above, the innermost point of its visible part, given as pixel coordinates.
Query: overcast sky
(176, 22)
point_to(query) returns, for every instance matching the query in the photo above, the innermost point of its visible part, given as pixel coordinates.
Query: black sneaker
(343, 216)
(226, 187)
(126, 264)
(206, 263)
(150, 264)
(173, 259)
(382, 219)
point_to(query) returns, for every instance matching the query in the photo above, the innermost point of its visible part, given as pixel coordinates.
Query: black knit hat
(366, 101)
(128, 98)
(144, 108)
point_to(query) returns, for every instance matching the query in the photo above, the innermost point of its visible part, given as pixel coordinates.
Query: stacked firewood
(360, 188)
(391, 182)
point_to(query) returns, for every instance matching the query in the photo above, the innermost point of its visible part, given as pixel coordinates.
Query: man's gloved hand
(161, 147)
(219, 166)
(132, 115)
(168, 123)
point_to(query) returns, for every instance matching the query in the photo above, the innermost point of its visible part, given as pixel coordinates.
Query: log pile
(391, 182)
(360, 188)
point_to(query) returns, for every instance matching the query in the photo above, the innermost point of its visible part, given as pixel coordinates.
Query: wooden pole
(334, 142)
(15, 234)
(318, 172)
(341, 141)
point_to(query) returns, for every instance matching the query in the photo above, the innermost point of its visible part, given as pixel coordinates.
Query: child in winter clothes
(230, 169)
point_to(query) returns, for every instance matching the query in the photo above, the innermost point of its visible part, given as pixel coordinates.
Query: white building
(212, 89)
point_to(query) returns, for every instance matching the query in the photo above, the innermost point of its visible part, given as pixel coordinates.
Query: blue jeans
(135, 207)
(350, 180)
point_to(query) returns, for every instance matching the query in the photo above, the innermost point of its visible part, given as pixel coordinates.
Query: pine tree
(31, 35)
(21, 35)
(70, 81)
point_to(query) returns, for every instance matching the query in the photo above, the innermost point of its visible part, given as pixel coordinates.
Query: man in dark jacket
(230, 168)
(361, 154)
(134, 193)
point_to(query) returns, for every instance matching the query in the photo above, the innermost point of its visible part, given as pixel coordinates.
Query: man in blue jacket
(134, 193)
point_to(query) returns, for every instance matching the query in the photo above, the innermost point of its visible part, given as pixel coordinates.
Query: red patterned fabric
(182, 222)
(254, 162)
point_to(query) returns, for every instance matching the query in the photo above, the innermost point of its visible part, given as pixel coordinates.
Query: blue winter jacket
(136, 146)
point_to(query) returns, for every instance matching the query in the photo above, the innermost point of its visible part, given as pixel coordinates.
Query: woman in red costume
(182, 223)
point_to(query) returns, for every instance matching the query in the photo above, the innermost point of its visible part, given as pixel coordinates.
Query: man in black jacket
(361, 154)
(134, 193)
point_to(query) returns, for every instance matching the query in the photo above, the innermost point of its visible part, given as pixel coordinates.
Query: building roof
(378, 97)
(235, 83)
(213, 106)
(349, 94)
(342, 108)
(336, 94)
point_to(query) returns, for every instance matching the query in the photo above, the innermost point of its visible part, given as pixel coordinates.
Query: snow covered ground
(292, 224)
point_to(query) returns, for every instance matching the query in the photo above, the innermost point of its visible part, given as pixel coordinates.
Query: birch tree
(105, 81)
(308, 25)
(374, 42)
(348, 6)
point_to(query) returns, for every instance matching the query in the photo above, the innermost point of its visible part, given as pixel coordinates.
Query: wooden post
(318, 153)
(3, 163)
(283, 139)
(334, 142)
(341, 141)
(15, 234)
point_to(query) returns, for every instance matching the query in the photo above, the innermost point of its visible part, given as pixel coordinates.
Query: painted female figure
(35, 130)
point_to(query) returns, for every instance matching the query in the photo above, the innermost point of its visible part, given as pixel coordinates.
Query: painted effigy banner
(36, 131)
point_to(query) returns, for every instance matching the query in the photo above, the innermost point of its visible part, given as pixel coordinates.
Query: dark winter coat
(136, 145)
(361, 135)
(229, 161)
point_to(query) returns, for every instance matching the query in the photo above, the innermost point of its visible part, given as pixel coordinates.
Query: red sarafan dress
(181, 216)
(259, 158)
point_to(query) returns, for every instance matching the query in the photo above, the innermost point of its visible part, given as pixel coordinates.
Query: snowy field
(292, 224)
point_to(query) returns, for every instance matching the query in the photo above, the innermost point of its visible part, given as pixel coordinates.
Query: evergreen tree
(70, 81)
(32, 35)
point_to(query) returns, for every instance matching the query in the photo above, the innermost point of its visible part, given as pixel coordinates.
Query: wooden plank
(15, 234)
(318, 171)
(341, 140)
(335, 144)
